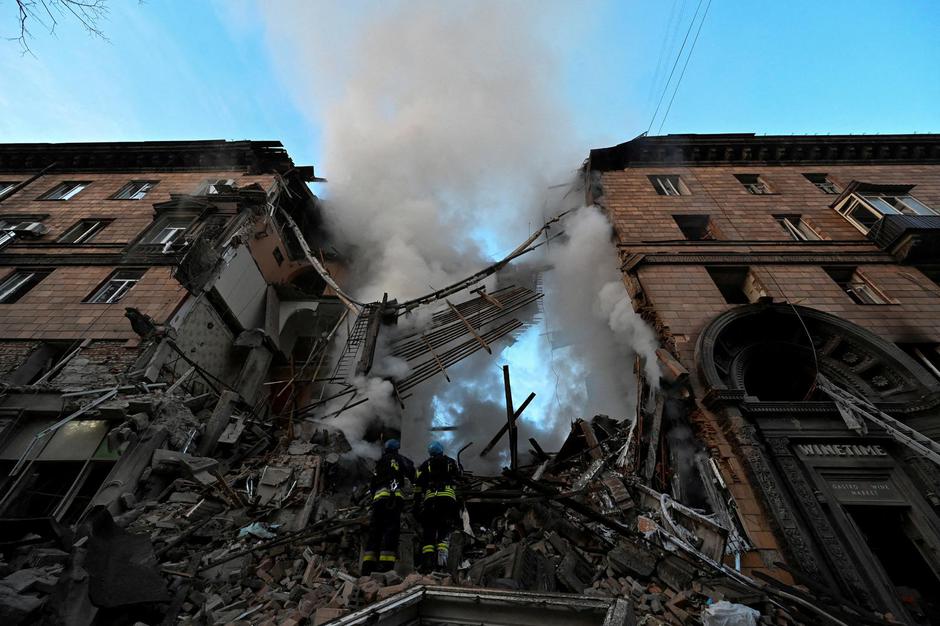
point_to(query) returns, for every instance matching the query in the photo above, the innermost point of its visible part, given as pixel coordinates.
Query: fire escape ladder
(901, 432)
(354, 342)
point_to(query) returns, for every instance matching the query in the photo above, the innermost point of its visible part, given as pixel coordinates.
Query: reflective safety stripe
(368, 556)
(427, 549)
(442, 546)
(387, 558)
(385, 493)
(445, 492)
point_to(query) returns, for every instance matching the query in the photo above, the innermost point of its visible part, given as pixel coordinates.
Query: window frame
(124, 285)
(6, 186)
(791, 224)
(684, 222)
(857, 200)
(128, 185)
(858, 287)
(28, 278)
(675, 184)
(101, 224)
(210, 183)
(759, 183)
(81, 184)
(826, 185)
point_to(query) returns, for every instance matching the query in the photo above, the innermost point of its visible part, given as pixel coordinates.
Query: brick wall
(131, 217)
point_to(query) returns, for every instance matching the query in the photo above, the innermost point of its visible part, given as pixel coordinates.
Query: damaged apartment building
(796, 280)
(131, 269)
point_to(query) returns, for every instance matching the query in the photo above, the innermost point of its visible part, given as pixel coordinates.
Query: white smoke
(443, 123)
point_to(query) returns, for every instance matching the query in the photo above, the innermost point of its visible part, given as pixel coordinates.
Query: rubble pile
(262, 523)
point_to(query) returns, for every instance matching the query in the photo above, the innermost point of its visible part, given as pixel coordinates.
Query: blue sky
(175, 70)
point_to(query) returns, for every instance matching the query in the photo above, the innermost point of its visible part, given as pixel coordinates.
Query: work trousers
(438, 519)
(381, 550)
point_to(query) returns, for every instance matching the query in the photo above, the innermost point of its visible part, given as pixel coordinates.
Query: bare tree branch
(47, 13)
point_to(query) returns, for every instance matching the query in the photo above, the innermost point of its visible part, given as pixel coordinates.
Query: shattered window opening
(65, 191)
(18, 284)
(754, 184)
(669, 185)
(823, 183)
(856, 285)
(84, 231)
(797, 228)
(135, 190)
(116, 287)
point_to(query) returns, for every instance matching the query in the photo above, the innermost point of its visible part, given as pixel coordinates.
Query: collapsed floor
(255, 529)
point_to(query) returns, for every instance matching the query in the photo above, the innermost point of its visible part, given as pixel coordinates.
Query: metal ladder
(902, 433)
(351, 349)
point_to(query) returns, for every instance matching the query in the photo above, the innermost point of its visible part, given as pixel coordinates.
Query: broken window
(167, 231)
(65, 191)
(40, 361)
(83, 231)
(697, 227)
(116, 286)
(134, 190)
(864, 210)
(754, 184)
(67, 468)
(797, 228)
(738, 285)
(927, 354)
(14, 227)
(669, 185)
(215, 186)
(6, 187)
(856, 285)
(823, 183)
(17, 284)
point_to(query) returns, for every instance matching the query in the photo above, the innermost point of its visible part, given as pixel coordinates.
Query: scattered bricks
(263, 575)
(369, 590)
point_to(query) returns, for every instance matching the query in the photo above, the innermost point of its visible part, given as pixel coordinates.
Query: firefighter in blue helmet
(388, 480)
(436, 505)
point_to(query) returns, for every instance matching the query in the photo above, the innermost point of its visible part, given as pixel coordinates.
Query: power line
(681, 74)
(668, 37)
(674, 65)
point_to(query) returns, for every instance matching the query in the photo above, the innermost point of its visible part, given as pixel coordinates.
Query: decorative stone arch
(770, 353)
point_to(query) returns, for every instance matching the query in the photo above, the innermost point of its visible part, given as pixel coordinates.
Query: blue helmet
(392, 445)
(435, 448)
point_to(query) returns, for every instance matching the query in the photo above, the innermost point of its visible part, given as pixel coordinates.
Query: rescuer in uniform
(436, 505)
(388, 480)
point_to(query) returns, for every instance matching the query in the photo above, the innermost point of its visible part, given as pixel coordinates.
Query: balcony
(910, 238)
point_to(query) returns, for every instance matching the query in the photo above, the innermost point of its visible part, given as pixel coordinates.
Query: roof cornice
(251, 157)
(750, 149)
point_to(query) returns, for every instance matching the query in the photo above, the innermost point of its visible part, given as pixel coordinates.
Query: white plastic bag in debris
(725, 613)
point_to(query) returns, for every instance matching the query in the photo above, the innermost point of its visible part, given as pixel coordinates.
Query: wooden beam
(436, 359)
(469, 327)
(482, 293)
(511, 422)
(649, 462)
(505, 427)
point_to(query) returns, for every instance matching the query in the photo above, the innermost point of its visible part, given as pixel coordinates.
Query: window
(927, 354)
(823, 183)
(167, 231)
(134, 190)
(697, 227)
(669, 185)
(738, 285)
(83, 231)
(15, 286)
(21, 226)
(6, 187)
(64, 191)
(116, 287)
(217, 186)
(856, 285)
(797, 228)
(754, 184)
(865, 209)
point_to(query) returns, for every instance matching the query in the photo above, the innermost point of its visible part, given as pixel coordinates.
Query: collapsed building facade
(177, 351)
(795, 279)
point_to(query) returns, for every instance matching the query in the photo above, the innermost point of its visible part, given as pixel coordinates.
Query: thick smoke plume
(443, 122)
